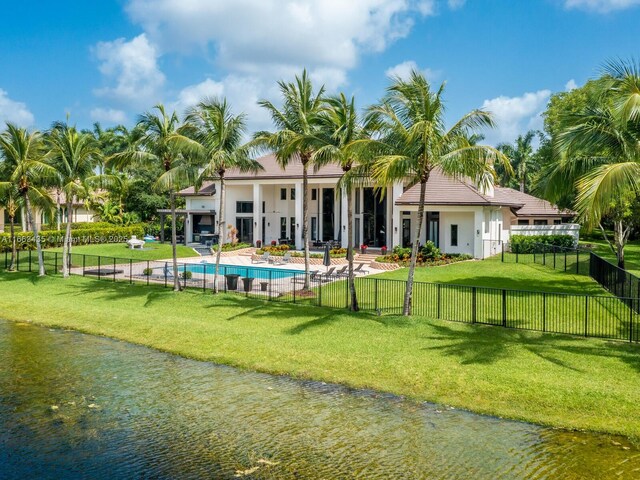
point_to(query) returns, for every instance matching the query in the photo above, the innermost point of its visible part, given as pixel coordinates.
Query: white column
(478, 231)
(188, 228)
(257, 213)
(344, 225)
(396, 216)
(298, 215)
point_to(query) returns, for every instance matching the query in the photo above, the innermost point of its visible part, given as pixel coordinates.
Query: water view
(78, 406)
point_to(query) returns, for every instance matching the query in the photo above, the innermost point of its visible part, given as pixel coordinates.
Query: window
(283, 194)
(454, 235)
(523, 222)
(264, 207)
(557, 221)
(283, 227)
(357, 194)
(292, 228)
(540, 222)
(314, 228)
(314, 194)
(244, 207)
(293, 194)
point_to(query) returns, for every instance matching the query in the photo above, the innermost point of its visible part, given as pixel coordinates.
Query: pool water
(262, 273)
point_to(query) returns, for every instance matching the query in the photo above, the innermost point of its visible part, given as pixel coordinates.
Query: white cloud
(250, 35)
(191, 95)
(571, 85)
(515, 115)
(132, 66)
(108, 115)
(601, 6)
(14, 112)
(455, 4)
(403, 70)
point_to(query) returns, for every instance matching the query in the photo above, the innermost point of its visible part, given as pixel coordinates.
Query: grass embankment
(631, 254)
(152, 251)
(553, 380)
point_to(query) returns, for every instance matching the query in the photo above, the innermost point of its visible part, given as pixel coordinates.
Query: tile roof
(207, 189)
(531, 206)
(273, 170)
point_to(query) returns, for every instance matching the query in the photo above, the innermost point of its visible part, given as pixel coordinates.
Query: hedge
(538, 243)
(86, 236)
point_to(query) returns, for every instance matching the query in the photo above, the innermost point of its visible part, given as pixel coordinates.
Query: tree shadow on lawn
(486, 345)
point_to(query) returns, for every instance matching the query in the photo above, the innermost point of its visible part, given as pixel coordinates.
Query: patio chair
(314, 276)
(263, 259)
(326, 277)
(286, 258)
(342, 272)
(360, 269)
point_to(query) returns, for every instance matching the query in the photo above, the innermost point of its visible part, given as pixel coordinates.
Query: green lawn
(631, 254)
(152, 251)
(555, 380)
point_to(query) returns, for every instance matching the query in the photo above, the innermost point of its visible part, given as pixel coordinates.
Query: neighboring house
(267, 206)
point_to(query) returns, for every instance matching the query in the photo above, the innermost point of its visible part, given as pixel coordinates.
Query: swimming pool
(263, 273)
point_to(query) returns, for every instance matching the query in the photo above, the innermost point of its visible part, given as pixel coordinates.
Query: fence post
(554, 258)
(439, 287)
(473, 304)
(17, 260)
(631, 322)
(517, 255)
(502, 245)
(114, 269)
(294, 286)
(55, 262)
(544, 311)
(586, 315)
(375, 294)
(270, 282)
(29, 260)
(130, 271)
(84, 263)
(319, 293)
(504, 308)
(6, 260)
(99, 268)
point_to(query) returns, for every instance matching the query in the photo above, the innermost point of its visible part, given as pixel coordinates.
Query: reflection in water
(77, 406)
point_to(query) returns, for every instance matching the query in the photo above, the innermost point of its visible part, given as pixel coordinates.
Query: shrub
(538, 243)
(147, 271)
(230, 247)
(429, 250)
(186, 275)
(85, 236)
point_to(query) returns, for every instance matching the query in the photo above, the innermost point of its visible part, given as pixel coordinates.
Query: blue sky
(107, 61)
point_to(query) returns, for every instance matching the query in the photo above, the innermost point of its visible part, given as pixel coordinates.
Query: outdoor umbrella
(326, 259)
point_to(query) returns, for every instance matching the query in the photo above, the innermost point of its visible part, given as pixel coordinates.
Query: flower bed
(280, 250)
(230, 247)
(444, 259)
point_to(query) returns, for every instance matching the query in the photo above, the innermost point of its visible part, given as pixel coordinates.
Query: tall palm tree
(341, 134)
(599, 155)
(156, 146)
(24, 154)
(9, 200)
(414, 140)
(74, 155)
(214, 135)
(522, 157)
(296, 138)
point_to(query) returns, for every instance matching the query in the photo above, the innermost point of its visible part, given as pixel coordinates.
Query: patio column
(344, 227)
(188, 229)
(257, 212)
(298, 215)
(396, 216)
(162, 228)
(478, 230)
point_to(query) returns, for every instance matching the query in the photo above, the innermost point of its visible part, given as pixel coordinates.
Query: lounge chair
(263, 259)
(314, 276)
(360, 269)
(286, 258)
(326, 277)
(342, 272)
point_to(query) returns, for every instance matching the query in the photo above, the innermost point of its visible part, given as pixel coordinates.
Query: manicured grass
(631, 254)
(152, 251)
(555, 380)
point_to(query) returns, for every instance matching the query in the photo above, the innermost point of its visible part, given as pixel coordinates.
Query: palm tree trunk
(305, 224)
(406, 310)
(66, 246)
(174, 241)
(220, 233)
(352, 283)
(14, 244)
(619, 238)
(522, 185)
(36, 236)
(58, 213)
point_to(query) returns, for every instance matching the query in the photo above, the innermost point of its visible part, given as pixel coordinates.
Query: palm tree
(9, 199)
(599, 155)
(522, 158)
(156, 146)
(74, 155)
(24, 154)
(414, 141)
(296, 138)
(341, 134)
(214, 135)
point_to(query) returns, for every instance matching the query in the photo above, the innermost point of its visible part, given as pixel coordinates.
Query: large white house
(459, 218)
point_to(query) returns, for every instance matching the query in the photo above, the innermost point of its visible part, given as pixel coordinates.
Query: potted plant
(384, 250)
(273, 243)
(259, 244)
(248, 283)
(363, 248)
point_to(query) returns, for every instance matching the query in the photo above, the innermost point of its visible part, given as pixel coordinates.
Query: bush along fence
(591, 316)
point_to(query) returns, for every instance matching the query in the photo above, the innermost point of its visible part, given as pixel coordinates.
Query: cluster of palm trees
(403, 138)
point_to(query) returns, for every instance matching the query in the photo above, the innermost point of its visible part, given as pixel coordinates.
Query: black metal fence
(590, 316)
(616, 280)
(574, 260)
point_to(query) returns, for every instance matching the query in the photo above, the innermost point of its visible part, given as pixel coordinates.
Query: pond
(78, 406)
